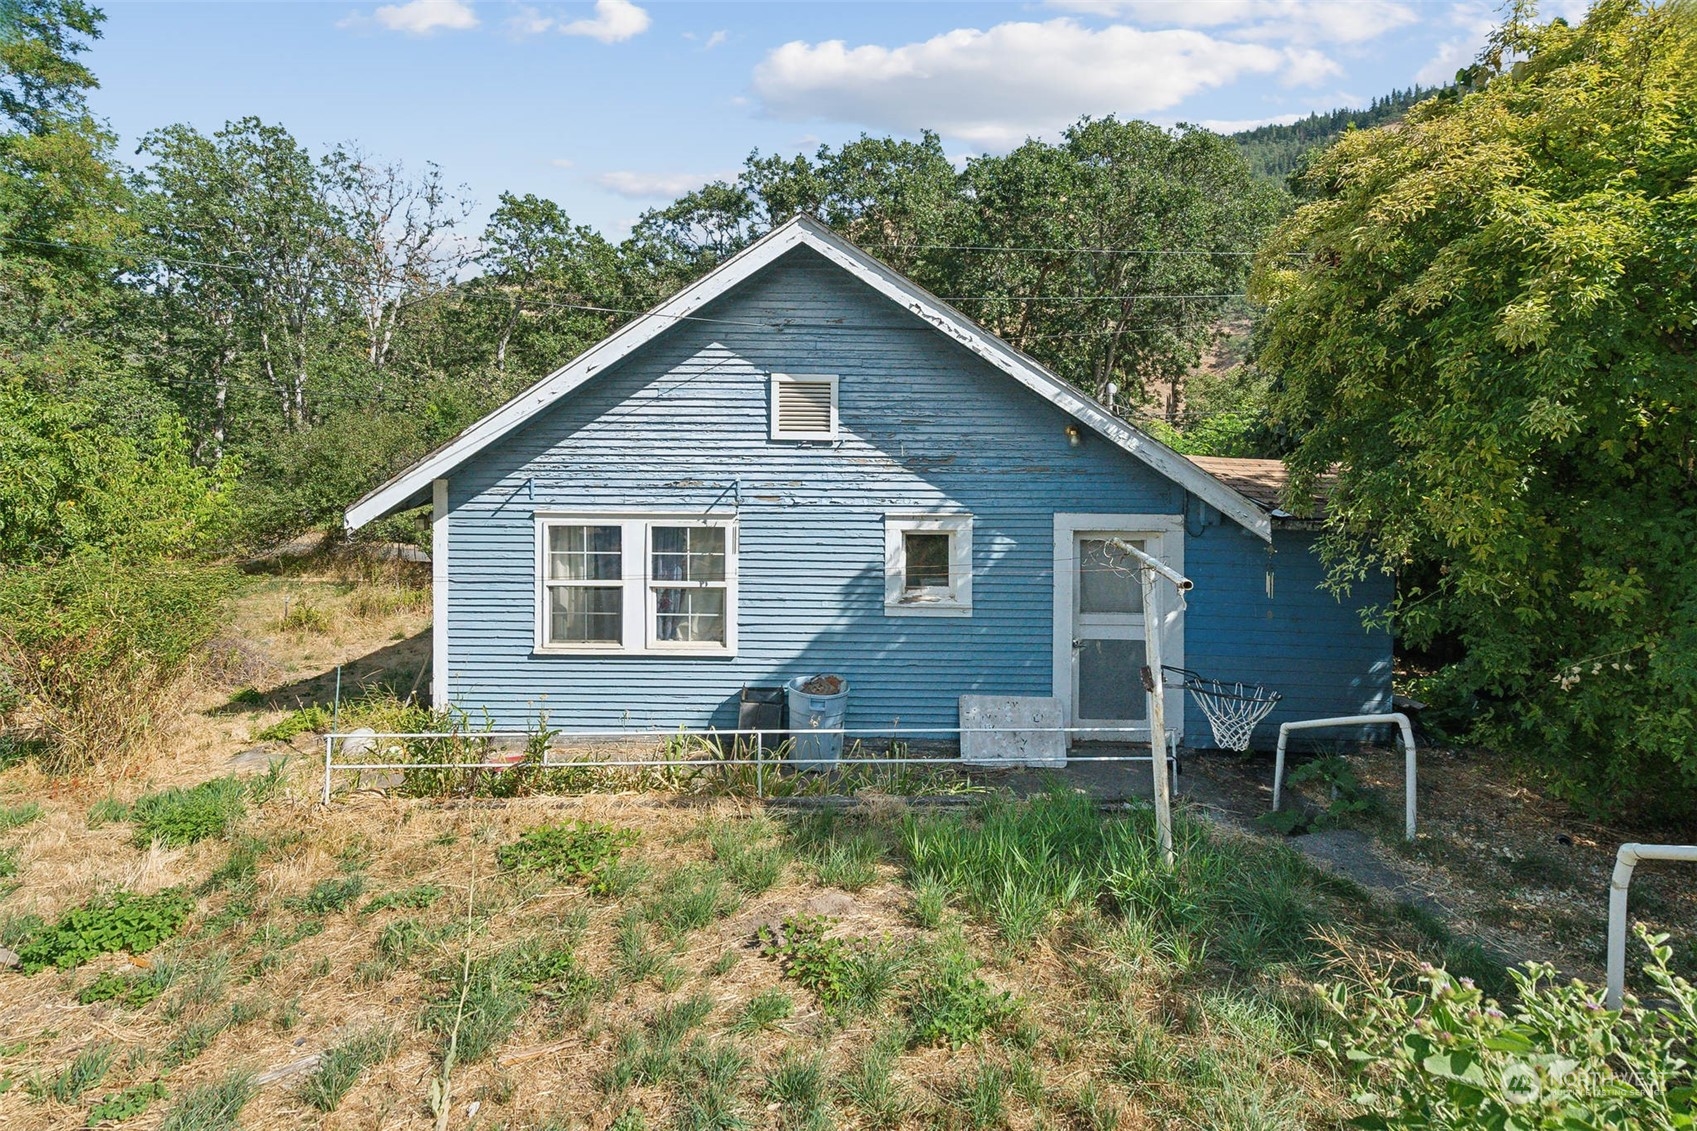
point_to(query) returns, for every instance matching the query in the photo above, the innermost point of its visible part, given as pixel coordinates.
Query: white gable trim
(411, 486)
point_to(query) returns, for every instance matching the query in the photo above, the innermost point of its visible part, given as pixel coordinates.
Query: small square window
(928, 565)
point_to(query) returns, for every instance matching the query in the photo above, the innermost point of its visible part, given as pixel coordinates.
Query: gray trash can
(811, 712)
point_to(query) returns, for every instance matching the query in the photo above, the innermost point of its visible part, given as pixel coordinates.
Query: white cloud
(527, 21)
(654, 186)
(614, 22)
(1474, 22)
(422, 17)
(997, 87)
(717, 39)
(562, 162)
(1238, 125)
(1307, 21)
(1307, 67)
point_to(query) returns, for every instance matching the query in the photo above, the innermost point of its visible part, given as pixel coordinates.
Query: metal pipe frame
(760, 760)
(1397, 717)
(1627, 857)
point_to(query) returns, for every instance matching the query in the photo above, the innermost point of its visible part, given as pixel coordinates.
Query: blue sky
(613, 106)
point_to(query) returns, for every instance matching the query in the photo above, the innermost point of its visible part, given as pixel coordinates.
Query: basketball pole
(1155, 683)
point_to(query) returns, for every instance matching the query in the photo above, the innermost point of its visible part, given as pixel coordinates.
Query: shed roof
(412, 486)
(1262, 481)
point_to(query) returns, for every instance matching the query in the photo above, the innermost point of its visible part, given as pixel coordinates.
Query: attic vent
(804, 406)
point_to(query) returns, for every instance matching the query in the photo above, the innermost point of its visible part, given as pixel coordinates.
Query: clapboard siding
(681, 425)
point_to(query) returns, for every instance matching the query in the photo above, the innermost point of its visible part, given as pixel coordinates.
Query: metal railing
(1408, 771)
(764, 753)
(1627, 857)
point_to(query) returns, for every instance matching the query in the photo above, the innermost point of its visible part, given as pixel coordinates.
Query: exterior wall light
(1075, 435)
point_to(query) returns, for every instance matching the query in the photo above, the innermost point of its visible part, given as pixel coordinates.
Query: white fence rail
(757, 748)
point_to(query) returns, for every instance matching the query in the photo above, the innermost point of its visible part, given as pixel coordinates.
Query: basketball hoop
(1232, 709)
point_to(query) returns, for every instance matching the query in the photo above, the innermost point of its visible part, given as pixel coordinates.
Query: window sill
(556, 651)
(927, 609)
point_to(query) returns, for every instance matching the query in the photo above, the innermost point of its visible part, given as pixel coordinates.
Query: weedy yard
(201, 945)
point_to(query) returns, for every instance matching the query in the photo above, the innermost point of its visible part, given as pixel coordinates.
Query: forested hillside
(1277, 151)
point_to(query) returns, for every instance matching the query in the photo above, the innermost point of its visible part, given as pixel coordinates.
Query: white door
(1099, 601)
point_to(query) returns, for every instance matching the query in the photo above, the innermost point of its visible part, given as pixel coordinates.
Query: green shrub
(109, 986)
(121, 921)
(183, 816)
(846, 975)
(1446, 1056)
(19, 815)
(116, 1106)
(94, 647)
(576, 850)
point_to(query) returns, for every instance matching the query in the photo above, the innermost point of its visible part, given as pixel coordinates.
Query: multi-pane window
(585, 585)
(687, 583)
(928, 565)
(637, 584)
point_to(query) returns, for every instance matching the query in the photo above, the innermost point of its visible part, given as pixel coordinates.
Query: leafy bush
(1447, 1056)
(184, 816)
(121, 921)
(415, 898)
(575, 850)
(93, 647)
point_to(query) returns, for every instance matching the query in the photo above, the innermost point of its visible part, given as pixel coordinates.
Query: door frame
(1164, 534)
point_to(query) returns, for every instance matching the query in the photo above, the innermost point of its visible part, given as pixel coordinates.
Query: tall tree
(247, 244)
(1110, 255)
(1486, 320)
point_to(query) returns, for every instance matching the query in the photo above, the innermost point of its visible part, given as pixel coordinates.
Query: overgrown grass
(176, 817)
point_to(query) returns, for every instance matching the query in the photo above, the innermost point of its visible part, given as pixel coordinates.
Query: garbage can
(817, 703)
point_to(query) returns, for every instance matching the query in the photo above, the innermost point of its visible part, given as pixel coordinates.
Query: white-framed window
(636, 584)
(804, 406)
(928, 565)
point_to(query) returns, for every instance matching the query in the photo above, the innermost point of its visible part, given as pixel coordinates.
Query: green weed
(846, 975)
(872, 1088)
(127, 1104)
(313, 719)
(120, 921)
(19, 815)
(341, 1066)
(983, 1101)
(86, 1070)
(575, 850)
(950, 1004)
(750, 856)
(211, 1107)
(329, 896)
(763, 1011)
(415, 898)
(176, 817)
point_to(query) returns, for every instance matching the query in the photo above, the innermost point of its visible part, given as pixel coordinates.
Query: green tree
(1111, 255)
(1490, 328)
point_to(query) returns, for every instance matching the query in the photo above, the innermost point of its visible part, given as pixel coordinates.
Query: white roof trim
(411, 486)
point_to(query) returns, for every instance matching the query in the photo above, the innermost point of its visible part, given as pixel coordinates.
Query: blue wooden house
(806, 463)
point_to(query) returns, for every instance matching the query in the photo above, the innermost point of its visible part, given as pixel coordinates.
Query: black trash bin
(762, 708)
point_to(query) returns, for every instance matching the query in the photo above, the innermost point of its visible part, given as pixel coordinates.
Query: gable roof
(412, 486)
